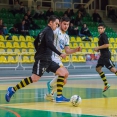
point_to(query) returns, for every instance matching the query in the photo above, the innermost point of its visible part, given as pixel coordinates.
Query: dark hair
(52, 18)
(101, 24)
(66, 19)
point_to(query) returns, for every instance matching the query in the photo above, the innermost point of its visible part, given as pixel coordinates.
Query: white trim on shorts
(38, 65)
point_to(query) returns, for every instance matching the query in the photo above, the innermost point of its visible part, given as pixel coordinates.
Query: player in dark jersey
(43, 62)
(105, 56)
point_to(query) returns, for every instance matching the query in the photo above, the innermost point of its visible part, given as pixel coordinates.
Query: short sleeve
(105, 39)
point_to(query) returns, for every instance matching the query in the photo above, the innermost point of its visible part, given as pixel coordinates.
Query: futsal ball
(88, 57)
(75, 100)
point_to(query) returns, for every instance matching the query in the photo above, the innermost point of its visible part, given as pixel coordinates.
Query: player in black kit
(105, 56)
(43, 62)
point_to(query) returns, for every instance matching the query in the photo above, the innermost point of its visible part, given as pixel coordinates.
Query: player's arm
(49, 44)
(105, 45)
(68, 50)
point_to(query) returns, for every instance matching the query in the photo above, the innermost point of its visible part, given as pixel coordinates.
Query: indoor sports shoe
(106, 87)
(62, 99)
(49, 97)
(49, 87)
(9, 94)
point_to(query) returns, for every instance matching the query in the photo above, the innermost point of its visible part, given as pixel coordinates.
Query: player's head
(53, 22)
(64, 23)
(101, 28)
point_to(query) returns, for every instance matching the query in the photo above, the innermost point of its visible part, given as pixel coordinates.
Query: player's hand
(79, 49)
(63, 55)
(96, 49)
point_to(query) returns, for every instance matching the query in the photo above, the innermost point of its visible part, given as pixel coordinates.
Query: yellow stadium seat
(111, 45)
(25, 52)
(87, 45)
(16, 45)
(90, 51)
(30, 45)
(1, 38)
(93, 45)
(2, 52)
(2, 45)
(112, 58)
(72, 39)
(28, 38)
(9, 45)
(18, 59)
(17, 51)
(78, 39)
(25, 59)
(95, 39)
(6, 38)
(15, 38)
(115, 45)
(32, 60)
(3, 59)
(81, 59)
(31, 51)
(111, 40)
(81, 45)
(11, 59)
(84, 50)
(23, 45)
(22, 38)
(75, 45)
(113, 51)
(91, 39)
(74, 59)
(70, 45)
(10, 52)
(67, 59)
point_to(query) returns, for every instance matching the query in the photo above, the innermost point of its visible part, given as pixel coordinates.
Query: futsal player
(105, 56)
(43, 61)
(61, 42)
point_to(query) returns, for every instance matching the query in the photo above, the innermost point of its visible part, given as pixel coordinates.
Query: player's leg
(62, 74)
(99, 66)
(37, 73)
(52, 88)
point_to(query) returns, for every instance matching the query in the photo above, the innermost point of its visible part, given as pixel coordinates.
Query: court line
(86, 75)
(15, 113)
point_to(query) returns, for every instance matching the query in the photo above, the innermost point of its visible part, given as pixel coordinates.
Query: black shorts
(41, 66)
(106, 61)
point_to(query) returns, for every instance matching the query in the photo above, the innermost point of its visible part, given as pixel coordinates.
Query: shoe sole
(106, 89)
(48, 98)
(61, 101)
(6, 98)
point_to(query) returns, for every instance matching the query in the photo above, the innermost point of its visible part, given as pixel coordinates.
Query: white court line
(50, 77)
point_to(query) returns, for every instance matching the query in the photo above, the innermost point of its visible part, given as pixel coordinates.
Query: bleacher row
(21, 49)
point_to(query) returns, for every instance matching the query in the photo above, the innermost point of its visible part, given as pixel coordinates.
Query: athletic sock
(102, 75)
(23, 83)
(60, 83)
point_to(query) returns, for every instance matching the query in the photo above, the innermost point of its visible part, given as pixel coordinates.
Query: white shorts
(57, 60)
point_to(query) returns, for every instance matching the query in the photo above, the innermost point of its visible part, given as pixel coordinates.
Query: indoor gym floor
(29, 102)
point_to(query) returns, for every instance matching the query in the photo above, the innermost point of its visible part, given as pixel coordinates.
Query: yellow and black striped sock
(60, 83)
(23, 83)
(116, 73)
(102, 75)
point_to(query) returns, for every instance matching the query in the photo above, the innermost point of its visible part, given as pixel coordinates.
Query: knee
(66, 74)
(35, 78)
(98, 69)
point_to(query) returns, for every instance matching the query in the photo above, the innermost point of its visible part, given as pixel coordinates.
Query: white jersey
(60, 41)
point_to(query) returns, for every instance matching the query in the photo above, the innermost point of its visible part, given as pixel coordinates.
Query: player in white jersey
(61, 42)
